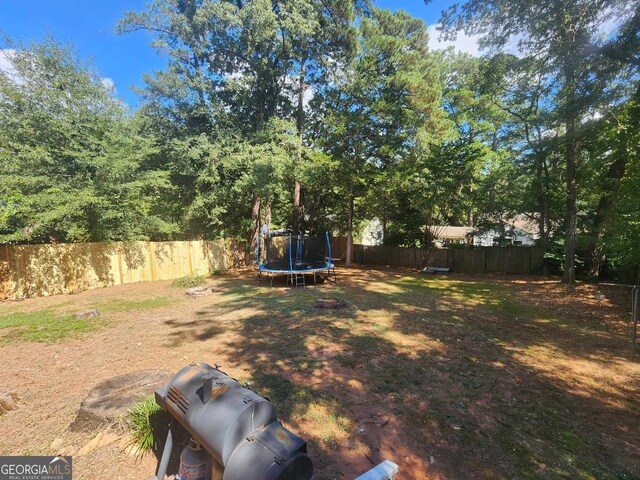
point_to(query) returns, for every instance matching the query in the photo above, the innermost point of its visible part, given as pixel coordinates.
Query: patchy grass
(189, 281)
(347, 360)
(470, 365)
(319, 412)
(42, 326)
(125, 305)
(57, 323)
(503, 377)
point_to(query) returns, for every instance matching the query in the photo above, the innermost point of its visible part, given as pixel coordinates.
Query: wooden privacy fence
(36, 270)
(461, 260)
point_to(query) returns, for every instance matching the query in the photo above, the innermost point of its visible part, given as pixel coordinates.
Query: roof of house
(444, 231)
(524, 223)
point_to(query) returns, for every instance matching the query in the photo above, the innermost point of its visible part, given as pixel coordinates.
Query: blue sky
(123, 58)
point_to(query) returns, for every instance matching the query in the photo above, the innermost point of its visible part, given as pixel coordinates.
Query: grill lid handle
(207, 385)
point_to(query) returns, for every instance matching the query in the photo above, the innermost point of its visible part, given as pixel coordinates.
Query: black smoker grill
(237, 427)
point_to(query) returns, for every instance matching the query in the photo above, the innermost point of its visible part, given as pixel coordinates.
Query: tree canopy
(316, 115)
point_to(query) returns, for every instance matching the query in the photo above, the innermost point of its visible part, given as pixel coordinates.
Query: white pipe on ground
(387, 470)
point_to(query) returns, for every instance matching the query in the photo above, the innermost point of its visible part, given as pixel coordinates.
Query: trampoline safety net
(294, 253)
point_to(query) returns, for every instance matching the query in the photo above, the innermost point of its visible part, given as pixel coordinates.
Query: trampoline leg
(329, 272)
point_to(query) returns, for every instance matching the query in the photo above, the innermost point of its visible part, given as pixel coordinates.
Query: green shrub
(142, 420)
(189, 281)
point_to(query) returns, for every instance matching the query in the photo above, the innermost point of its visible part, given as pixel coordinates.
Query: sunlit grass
(58, 323)
(42, 326)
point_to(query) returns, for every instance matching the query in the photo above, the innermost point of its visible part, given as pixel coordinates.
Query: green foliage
(623, 230)
(189, 281)
(72, 163)
(347, 101)
(553, 107)
(391, 86)
(142, 425)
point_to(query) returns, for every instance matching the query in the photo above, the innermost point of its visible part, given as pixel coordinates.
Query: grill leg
(218, 471)
(166, 453)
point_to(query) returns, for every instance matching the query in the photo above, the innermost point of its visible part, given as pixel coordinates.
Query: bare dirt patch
(450, 377)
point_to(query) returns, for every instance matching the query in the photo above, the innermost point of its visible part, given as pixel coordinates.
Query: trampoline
(295, 256)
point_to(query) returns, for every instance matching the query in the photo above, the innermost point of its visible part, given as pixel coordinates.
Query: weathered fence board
(508, 260)
(468, 261)
(37, 270)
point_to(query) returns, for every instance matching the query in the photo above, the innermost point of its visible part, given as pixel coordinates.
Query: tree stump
(111, 399)
(198, 291)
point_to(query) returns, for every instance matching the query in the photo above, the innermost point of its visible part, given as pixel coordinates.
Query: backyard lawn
(450, 377)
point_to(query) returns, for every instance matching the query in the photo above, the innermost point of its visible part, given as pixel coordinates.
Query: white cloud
(463, 42)
(108, 83)
(7, 67)
(5, 60)
(307, 96)
(611, 19)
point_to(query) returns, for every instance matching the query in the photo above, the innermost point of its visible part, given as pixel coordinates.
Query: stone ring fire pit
(330, 303)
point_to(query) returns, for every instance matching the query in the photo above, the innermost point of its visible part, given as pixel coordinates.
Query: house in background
(444, 235)
(510, 236)
(372, 233)
(517, 231)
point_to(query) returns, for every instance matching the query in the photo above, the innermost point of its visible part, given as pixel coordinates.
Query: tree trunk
(470, 209)
(428, 233)
(267, 217)
(385, 219)
(300, 119)
(541, 200)
(547, 206)
(494, 142)
(385, 228)
(349, 254)
(614, 175)
(571, 151)
(255, 222)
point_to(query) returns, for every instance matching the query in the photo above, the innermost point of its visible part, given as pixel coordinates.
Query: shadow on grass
(433, 374)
